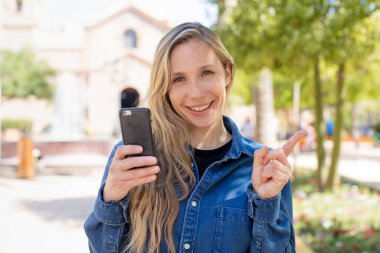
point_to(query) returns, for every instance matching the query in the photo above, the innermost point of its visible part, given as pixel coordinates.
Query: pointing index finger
(289, 145)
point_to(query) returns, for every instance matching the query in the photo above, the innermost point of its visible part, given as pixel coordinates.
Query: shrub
(345, 220)
(23, 125)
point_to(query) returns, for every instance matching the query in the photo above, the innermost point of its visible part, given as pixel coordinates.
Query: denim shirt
(222, 213)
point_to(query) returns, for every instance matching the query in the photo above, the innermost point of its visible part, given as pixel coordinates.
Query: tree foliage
(241, 91)
(288, 36)
(332, 39)
(22, 75)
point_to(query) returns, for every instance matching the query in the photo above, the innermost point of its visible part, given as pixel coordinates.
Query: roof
(162, 25)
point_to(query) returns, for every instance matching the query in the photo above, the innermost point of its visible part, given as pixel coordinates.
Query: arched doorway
(129, 98)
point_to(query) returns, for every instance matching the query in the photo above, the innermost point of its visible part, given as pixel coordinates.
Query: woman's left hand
(271, 169)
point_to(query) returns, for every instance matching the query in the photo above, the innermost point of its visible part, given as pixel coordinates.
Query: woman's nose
(195, 89)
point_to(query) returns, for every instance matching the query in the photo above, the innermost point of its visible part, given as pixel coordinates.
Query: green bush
(24, 125)
(23, 74)
(345, 220)
(377, 127)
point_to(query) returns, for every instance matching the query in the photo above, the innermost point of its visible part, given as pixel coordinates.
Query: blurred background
(68, 66)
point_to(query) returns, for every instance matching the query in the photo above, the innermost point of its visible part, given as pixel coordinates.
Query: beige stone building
(94, 65)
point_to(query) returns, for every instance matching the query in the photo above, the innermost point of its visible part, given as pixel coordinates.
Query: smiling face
(198, 83)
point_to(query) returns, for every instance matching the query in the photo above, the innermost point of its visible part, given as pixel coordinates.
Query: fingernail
(137, 148)
(153, 159)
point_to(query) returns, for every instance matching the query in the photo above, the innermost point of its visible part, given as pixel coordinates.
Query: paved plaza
(357, 164)
(46, 214)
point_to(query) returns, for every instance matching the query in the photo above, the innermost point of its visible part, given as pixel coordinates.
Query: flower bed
(347, 220)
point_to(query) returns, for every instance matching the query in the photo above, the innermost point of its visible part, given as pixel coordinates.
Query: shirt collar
(239, 144)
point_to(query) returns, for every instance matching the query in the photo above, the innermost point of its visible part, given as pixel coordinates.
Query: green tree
(22, 74)
(241, 91)
(299, 37)
(362, 81)
(248, 38)
(350, 36)
(282, 35)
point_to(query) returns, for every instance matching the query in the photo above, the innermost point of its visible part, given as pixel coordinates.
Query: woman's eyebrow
(176, 73)
(207, 66)
(201, 67)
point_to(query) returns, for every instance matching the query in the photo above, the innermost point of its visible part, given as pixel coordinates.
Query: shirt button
(194, 203)
(186, 246)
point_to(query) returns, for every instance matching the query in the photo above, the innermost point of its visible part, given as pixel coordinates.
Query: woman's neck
(210, 138)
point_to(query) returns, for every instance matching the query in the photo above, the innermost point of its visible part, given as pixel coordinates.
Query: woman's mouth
(200, 108)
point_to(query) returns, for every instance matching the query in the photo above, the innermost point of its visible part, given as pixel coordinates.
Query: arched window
(130, 38)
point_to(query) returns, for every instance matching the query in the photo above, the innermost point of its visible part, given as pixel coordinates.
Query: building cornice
(162, 25)
(127, 55)
(60, 49)
(5, 25)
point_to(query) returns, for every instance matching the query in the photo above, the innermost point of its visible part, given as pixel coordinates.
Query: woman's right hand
(122, 177)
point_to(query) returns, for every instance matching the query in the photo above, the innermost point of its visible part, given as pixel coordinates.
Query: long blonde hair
(153, 207)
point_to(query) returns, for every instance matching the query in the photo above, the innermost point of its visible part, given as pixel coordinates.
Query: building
(94, 65)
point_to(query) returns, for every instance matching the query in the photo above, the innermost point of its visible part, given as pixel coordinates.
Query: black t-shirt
(205, 158)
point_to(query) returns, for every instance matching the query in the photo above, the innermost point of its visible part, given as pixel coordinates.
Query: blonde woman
(214, 190)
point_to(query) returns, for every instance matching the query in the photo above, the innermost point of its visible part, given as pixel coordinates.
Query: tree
(247, 39)
(22, 75)
(333, 34)
(298, 37)
(351, 37)
(362, 80)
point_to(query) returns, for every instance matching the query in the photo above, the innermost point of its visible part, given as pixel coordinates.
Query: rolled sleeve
(267, 210)
(111, 213)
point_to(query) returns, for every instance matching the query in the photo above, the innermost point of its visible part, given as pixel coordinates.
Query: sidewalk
(359, 165)
(46, 214)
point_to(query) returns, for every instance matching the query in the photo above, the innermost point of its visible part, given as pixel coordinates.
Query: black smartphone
(136, 129)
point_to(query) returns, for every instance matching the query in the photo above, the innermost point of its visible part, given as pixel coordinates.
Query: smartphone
(136, 129)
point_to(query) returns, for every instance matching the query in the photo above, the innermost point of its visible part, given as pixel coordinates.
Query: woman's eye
(207, 73)
(178, 79)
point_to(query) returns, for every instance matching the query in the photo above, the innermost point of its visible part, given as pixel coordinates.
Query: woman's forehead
(192, 54)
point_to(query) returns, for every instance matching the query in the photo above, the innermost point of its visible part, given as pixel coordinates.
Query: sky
(85, 12)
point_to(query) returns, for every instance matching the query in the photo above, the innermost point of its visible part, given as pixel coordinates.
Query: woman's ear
(228, 72)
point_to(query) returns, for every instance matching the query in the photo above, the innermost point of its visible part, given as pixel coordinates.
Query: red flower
(369, 232)
(302, 216)
(355, 247)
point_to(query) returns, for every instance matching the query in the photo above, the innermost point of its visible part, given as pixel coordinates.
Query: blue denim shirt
(222, 214)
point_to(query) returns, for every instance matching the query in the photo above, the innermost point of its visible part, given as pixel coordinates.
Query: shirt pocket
(233, 230)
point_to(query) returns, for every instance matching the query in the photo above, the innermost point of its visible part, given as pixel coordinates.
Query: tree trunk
(355, 124)
(295, 122)
(318, 107)
(333, 176)
(265, 116)
(224, 10)
(222, 15)
(296, 106)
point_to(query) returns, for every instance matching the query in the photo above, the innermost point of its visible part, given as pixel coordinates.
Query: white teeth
(200, 108)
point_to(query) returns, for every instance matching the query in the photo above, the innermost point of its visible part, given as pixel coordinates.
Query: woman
(204, 196)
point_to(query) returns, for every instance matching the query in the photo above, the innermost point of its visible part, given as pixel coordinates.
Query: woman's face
(198, 83)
